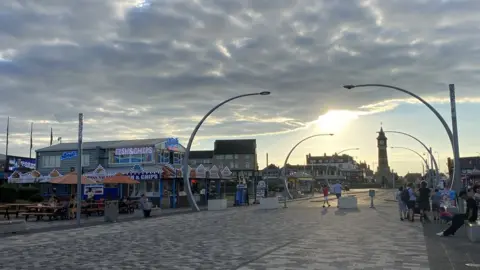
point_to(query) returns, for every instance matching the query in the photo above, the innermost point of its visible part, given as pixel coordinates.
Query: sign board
(214, 172)
(371, 193)
(133, 151)
(96, 188)
(15, 163)
(261, 187)
(68, 155)
(200, 171)
(144, 176)
(172, 144)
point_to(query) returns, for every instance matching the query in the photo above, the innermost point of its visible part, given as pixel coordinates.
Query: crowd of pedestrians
(427, 203)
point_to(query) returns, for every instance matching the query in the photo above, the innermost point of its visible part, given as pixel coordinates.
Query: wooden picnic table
(17, 207)
(42, 210)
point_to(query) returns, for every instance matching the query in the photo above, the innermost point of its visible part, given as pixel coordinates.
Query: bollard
(371, 193)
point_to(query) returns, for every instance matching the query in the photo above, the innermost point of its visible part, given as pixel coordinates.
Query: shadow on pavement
(343, 212)
(453, 252)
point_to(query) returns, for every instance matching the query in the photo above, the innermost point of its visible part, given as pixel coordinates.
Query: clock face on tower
(381, 142)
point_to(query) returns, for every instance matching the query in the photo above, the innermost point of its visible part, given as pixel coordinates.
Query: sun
(335, 120)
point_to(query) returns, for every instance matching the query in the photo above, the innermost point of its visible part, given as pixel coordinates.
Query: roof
(207, 154)
(102, 144)
(226, 147)
(381, 135)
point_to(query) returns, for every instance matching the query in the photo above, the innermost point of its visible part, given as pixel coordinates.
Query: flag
(8, 133)
(51, 136)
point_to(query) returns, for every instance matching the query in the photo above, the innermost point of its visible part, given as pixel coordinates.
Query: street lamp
(186, 173)
(349, 149)
(415, 152)
(286, 191)
(457, 172)
(429, 150)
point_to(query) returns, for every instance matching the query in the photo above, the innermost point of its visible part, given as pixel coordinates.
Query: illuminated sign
(68, 155)
(133, 151)
(15, 163)
(172, 144)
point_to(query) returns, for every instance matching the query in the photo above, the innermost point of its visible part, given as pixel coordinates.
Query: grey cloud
(147, 71)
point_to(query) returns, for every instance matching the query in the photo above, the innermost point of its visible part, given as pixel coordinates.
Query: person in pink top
(325, 196)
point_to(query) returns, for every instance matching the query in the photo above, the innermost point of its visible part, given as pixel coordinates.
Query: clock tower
(383, 174)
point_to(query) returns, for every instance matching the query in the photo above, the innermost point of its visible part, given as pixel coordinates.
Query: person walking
(325, 196)
(458, 220)
(424, 201)
(402, 205)
(145, 205)
(412, 199)
(337, 189)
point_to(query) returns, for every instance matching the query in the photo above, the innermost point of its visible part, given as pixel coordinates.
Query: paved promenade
(303, 236)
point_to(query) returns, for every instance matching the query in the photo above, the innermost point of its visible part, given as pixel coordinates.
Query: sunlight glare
(336, 120)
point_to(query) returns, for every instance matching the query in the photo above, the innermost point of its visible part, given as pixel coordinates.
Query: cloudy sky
(140, 69)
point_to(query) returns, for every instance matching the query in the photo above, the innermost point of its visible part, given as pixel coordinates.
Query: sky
(139, 69)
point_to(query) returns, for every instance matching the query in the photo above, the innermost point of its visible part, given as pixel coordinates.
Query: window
(247, 164)
(164, 157)
(177, 158)
(207, 161)
(130, 158)
(85, 160)
(236, 156)
(247, 156)
(51, 161)
(220, 157)
(232, 164)
(193, 162)
(228, 156)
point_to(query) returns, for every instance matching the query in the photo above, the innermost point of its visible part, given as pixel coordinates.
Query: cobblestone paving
(304, 236)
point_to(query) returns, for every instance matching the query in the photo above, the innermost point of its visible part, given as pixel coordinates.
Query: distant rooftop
(227, 147)
(102, 144)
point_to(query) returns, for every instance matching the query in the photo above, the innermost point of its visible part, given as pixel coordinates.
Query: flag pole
(8, 133)
(31, 139)
(51, 136)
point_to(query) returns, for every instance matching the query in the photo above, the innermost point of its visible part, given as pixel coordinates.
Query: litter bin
(111, 211)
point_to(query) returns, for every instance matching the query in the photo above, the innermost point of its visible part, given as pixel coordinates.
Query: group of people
(423, 201)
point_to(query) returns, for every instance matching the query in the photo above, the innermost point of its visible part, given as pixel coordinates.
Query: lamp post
(432, 157)
(286, 191)
(345, 150)
(453, 141)
(415, 152)
(186, 173)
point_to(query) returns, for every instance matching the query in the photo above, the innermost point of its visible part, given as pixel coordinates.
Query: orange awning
(71, 179)
(119, 179)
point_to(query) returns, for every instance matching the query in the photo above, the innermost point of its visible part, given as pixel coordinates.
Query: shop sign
(96, 188)
(145, 176)
(68, 155)
(14, 163)
(133, 151)
(172, 144)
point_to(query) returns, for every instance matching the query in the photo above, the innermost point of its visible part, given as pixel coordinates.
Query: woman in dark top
(423, 200)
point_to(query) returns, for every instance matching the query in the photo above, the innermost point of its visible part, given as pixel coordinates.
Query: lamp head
(349, 86)
(331, 134)
(265, 93)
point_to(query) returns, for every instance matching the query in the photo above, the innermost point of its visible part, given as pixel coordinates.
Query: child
(325, 196)
(402, 207)
(436, 200)
(445, 215)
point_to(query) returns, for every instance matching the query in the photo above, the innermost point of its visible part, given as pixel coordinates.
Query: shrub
(25, 193)
(8, 193)
(36, 198)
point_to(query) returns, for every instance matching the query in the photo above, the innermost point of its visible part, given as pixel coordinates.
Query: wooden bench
(13, 226)
(39, 215)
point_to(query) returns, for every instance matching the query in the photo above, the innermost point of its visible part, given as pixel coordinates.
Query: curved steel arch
(457, 172)
(186, 173)
(426, 148)
(413, 151)
(287, 191)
